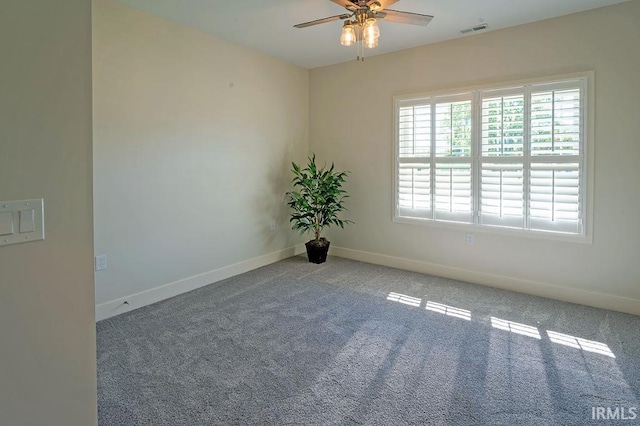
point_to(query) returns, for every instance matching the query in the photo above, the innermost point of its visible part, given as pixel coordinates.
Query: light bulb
(371, 28)
(370, 42)
(348, 36)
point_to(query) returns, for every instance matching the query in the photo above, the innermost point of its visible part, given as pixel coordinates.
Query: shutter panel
(453, 183)
(555, 122)
(556, 155)
(414, 131)
(453, 129)
(414, 167)
(502, 159)
(503, 126)
(453, 192)
(555, 197)
(414, 190)
(502, 195)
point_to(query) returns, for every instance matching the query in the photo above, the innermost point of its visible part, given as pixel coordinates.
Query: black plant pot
(317, 251)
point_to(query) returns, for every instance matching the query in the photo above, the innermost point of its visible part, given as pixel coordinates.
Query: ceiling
(267, 25)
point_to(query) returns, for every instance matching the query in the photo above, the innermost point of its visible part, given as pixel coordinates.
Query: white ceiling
(267, 25)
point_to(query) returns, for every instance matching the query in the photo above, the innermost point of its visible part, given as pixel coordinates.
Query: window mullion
(526, 160)
(432, 168)
(583, 157)
(476, 154)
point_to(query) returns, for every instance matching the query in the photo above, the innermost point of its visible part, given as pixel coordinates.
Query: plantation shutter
(502, 158)
(414, 163)
(556, 158)
(522, 166)
(530, 169)
(453, 173)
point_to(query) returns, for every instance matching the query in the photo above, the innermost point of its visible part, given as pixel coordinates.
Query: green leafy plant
(317, 198)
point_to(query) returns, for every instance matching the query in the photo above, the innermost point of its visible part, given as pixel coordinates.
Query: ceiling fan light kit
(363, 30)
(361, 25)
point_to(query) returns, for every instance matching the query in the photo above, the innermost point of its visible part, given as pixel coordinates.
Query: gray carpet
(352, 343)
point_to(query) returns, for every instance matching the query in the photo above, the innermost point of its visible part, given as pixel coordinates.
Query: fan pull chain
(359, 51)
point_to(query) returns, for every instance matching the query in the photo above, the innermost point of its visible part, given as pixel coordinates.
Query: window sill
(496, 230)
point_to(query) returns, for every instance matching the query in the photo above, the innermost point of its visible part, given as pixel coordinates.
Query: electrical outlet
(470, 239)
(274, 226)
(101, 262)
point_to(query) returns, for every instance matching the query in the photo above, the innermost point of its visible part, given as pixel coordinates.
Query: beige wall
(352, 124)
(193, 141)
(47, 328)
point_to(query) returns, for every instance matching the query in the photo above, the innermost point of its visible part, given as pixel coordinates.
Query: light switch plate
(26, 221)
(6, 224)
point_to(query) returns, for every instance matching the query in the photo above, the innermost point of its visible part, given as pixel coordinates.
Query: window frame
(586, 84)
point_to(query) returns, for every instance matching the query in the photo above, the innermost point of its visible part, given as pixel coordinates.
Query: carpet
(348, 343)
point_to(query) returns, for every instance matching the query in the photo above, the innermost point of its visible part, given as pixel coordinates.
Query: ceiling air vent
(477, 28)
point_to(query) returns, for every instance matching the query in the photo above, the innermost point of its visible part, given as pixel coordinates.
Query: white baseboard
(551, 291)
(165, 291)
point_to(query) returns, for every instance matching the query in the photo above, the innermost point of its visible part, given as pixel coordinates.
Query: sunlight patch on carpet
(403, 298)
(503, 324)
(514, 327)
(579, 343)
(451, 311)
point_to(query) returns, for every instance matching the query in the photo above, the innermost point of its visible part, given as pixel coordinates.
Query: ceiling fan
(361, 25)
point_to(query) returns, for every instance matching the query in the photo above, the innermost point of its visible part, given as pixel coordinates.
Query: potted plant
(316, 200)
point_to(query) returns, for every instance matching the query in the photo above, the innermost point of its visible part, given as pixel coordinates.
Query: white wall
(352, 124)
(193, 141)
(47, 327)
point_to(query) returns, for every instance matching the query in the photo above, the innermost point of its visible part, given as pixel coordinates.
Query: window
(510, 157)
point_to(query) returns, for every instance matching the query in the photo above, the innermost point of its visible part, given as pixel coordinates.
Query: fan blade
(383, 4)
(346, 4)
(404, 17)
(323, 20)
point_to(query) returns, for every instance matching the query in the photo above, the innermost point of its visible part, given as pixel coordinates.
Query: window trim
(586, 163)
